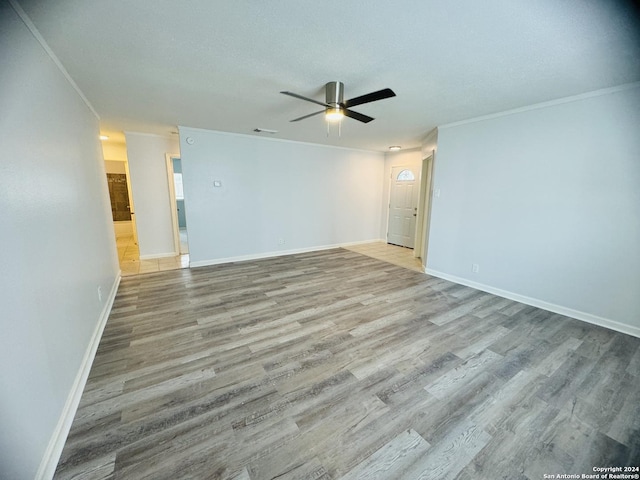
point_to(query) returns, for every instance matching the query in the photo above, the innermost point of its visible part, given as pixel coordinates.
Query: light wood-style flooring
(336, 365)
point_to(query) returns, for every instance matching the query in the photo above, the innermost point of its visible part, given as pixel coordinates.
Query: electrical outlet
(475, 268)
(100, 294)
(281, 241)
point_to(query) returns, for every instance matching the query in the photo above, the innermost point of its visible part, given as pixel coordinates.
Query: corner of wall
(45, 46)
(430, 143)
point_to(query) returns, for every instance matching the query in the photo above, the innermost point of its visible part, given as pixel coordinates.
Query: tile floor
(400, 256)
(130, 263)
(184, 244)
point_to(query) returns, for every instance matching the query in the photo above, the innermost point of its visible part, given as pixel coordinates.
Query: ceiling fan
(336, 107)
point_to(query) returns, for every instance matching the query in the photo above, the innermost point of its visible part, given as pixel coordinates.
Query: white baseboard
(534, 302)
(363, 242)
(56, 443)
(158, 255)
(278, 253)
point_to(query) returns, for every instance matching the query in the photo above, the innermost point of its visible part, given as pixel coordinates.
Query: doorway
(119, 196)
(424, 211)
(403, 206)
(123, 214)
(178, 212)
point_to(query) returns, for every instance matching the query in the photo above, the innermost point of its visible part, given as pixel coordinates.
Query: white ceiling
(148, 65)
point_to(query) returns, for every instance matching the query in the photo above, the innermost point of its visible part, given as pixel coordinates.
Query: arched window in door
(405, 176)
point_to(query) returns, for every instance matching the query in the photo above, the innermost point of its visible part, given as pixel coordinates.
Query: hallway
(130, 263)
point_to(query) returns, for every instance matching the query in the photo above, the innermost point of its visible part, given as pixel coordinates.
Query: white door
(403, 206)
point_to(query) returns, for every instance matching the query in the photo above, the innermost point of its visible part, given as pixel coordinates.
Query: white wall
(308, 196)
(403, 158)
(114, 166)
(114, 150)
(150, 188)
(56, 249)
(546, 201)
(430, 143)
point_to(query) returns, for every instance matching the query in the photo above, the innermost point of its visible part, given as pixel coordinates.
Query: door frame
(419, 185)
(134, 227)
(173, 202)
(423, 222)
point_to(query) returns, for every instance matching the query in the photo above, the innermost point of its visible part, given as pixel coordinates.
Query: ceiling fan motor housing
(335, 94)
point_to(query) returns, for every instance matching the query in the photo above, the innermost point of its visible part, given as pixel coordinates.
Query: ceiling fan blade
(307, 116)
(357, 116)
(295, 95)
(369, 97)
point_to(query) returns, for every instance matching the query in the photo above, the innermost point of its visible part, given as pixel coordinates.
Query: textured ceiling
(151, 65)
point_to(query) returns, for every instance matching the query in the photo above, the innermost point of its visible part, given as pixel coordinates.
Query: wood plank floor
(335, 365)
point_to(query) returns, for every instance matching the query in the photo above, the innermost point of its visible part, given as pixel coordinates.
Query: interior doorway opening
(178, 211)
(424, 209)
(409, 216)
(122, 211)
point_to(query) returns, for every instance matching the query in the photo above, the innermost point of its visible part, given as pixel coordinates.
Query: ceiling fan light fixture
(336, 107)
(334, 114)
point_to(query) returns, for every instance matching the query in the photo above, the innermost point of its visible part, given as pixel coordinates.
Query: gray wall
(546, 200)
(150, 189)
(56, 249)
(274, 191)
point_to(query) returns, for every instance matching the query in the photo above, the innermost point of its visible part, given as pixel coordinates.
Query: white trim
(144, 134)
(159, 255)
(534, 302)
(363, 242)
(390, 155)
(59, 437)
(424, 210)
(280, 253)
(429, 136)
(132, 208)
(34, 31)
(173, 201)
(536, 106)
(183, 131)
